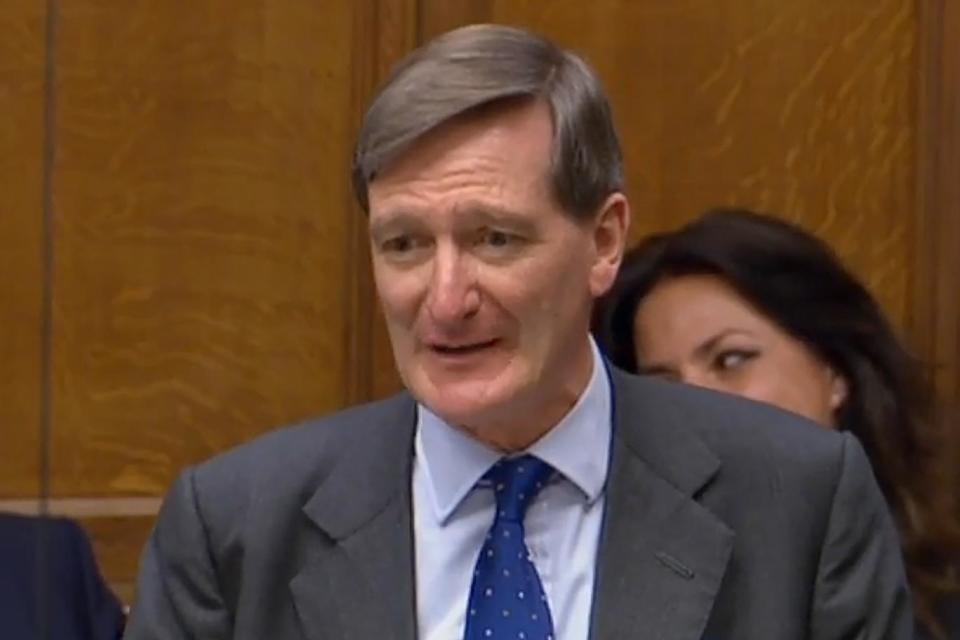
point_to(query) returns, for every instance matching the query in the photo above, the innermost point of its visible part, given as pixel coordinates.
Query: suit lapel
(663, 555)
(359, 581)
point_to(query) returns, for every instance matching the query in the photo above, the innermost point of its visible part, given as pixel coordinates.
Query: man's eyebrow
(384, 222)
(471, 212)
(497, 215)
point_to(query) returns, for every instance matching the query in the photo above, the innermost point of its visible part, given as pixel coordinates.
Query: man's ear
(610, 227)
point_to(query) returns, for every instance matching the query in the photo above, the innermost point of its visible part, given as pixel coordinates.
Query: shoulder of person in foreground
(248, 501)
(784, 483)
(291, 459)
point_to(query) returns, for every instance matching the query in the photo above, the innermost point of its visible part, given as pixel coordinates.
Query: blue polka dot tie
(507, 601)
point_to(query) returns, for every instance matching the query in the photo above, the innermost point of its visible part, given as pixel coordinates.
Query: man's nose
(453, 295)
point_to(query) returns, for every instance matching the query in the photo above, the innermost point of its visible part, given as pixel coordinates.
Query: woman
(748, 304)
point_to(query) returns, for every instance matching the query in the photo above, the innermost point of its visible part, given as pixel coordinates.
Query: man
(520, 488)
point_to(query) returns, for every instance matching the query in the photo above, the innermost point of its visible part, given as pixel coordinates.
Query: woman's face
(699, 330)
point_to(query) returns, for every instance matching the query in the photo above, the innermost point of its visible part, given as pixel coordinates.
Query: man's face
(485, 282)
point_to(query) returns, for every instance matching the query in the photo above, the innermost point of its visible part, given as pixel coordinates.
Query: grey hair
(484, 65)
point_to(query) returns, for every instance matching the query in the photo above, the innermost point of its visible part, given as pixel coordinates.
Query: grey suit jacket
(724, 520)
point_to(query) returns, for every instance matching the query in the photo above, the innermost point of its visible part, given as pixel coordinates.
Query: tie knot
(516, 481)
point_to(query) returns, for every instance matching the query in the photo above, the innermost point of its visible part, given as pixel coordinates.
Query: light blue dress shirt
(452, 515)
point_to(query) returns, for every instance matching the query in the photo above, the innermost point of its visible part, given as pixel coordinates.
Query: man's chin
(465, 403)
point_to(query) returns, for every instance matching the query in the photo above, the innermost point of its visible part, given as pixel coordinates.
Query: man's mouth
(462, 349)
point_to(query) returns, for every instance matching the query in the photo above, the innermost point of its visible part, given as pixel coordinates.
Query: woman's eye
(733, 358)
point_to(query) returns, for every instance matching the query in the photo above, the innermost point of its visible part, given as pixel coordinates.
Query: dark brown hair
(798, 282)
(480, 66)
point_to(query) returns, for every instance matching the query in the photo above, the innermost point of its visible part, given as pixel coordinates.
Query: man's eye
(498, 239)
(398, 244)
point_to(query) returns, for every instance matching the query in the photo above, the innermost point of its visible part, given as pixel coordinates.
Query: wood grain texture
(935, 321)
(802, 108)
(117, 543)
(384, 31)
(201, 233)
(22, 61)
(439, 16)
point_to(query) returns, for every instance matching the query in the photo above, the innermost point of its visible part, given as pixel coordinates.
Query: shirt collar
(578, 447)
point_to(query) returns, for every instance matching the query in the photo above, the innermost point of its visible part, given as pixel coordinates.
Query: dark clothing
(69, 600)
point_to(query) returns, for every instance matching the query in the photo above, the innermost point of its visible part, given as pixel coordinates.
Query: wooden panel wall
(211, 278)
(935, 324)
(202, 243)
(22, 62)
(384, 31)
(199, 281)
